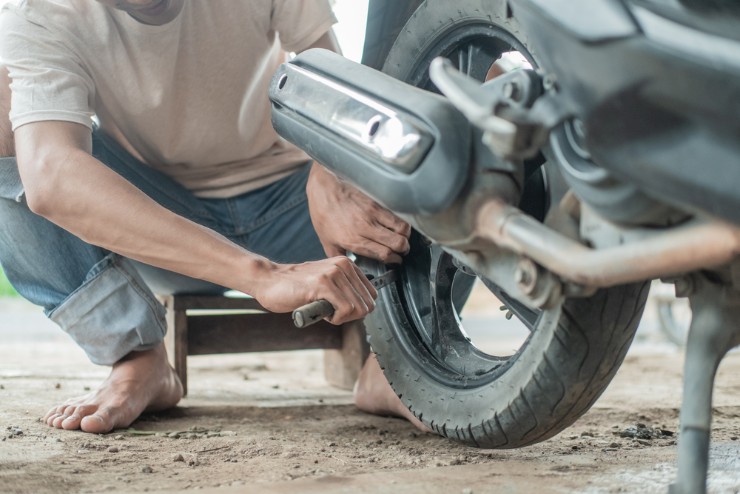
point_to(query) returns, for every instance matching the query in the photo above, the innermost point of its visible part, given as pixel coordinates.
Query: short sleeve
(47, 81)
(301, 22)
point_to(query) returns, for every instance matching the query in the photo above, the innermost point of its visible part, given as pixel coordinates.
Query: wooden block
(266, 332)
(216, 302)
(342, 366)
(176, 340)
(211, 325)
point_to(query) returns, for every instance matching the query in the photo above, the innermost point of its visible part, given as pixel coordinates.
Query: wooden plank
(342, 367)
(176, 340)
(241, 333)
(215, 302)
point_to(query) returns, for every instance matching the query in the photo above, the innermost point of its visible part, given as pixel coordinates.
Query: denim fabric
(105, 302)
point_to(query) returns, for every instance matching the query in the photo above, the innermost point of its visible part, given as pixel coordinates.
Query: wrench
(316, 311)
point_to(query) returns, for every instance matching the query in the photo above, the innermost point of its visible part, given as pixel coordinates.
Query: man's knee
(7, 144)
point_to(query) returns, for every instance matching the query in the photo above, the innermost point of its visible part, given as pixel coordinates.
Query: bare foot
(141, 381)
(374, 395)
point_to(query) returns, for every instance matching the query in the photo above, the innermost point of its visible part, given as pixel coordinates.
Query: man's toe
(99, 422)
(50, 419)
(59, 414)
(54, 413)
(72, 422)
(57, 422)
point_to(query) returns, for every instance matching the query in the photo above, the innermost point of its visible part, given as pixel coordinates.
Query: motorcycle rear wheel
(453, 387)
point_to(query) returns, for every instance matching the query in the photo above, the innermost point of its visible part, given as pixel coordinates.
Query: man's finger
(354, 308)
(374, 250)
(333, 250)
(359, 283)
(331, 292)
(395, 242)
(385, 218)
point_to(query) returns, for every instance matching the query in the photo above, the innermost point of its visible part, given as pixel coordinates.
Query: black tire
(384, 22)
(483, 400)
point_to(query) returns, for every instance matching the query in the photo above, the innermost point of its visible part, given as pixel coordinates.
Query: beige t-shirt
(189, 98)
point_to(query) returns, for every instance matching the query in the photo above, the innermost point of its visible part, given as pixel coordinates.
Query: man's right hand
(338, 280)
(345, 219)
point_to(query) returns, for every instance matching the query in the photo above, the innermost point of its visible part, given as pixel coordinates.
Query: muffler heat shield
(408, 149)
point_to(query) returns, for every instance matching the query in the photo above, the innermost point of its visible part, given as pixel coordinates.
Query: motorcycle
(606, 160)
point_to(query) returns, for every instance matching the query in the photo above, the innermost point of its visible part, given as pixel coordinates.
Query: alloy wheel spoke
(466, 57)
(447, 340)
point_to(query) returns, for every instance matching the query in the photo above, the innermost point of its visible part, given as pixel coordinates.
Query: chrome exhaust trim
(393, 141)
(396, 138)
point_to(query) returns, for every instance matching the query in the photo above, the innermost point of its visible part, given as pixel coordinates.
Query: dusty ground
(268, 423)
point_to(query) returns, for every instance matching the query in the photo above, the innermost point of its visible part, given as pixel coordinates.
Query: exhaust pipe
(393, 141)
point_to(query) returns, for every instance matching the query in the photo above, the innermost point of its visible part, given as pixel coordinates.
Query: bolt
(511, 91)
(522, 277)
(526, 276)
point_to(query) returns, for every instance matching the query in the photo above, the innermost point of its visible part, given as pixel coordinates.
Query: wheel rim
(472, 46)
(429, 276)
(426, 289)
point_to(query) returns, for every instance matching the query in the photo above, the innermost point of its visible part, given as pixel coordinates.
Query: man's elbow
(48, 155)
(39, 185)
(39, 201)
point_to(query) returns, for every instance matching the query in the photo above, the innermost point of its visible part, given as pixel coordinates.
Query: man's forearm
(85, 197)
(6, 134)
(130, 223)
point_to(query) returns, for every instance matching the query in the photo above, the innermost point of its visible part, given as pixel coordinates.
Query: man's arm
(6, 134)
(67, 185)
(360, 225)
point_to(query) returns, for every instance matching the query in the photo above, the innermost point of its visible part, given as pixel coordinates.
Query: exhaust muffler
(393, 141)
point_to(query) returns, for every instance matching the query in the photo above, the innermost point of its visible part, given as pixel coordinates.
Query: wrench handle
(312, 313)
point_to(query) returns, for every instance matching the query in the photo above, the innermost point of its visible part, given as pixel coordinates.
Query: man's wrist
(256, 275)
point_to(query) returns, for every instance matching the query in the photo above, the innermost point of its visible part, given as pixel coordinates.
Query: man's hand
(347, 220)
(338, 280)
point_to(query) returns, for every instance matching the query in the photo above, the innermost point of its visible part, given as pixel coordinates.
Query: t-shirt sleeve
(301, 22)
(47, 80)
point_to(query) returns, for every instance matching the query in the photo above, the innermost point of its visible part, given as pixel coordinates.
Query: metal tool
(316, 311)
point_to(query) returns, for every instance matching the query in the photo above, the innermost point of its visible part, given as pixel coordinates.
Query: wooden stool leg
(176, 340)
(342, 367)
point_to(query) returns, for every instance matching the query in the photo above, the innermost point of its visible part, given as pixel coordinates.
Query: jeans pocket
(11, 186)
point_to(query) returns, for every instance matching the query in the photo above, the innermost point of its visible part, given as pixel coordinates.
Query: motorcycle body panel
(660, 103)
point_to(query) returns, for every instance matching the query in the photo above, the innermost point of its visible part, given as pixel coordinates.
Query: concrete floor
(289, 432)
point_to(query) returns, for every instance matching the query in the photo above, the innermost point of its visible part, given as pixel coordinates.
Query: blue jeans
(105, 302)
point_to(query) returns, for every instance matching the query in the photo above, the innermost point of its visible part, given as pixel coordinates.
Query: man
(182, 185)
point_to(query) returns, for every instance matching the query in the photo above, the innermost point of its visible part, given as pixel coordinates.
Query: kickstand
(715, 329)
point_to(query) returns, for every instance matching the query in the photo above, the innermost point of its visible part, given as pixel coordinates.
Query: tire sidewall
(433, 18)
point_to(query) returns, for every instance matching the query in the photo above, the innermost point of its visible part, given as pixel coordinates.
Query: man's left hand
(347, 220)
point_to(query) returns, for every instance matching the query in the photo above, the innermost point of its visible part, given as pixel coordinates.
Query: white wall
(352, 15)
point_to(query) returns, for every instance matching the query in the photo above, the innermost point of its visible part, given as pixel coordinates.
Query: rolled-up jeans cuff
(113, 313)
(11, 186)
